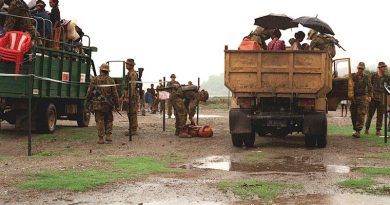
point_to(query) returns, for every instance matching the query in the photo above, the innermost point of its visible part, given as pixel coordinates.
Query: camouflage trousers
(104, 123)
(379, 108)
(169, 105)
(358, 111)
(191, 108)
(132, 115)
(180, 113)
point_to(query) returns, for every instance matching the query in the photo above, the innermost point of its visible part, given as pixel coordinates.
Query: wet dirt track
(205, 162)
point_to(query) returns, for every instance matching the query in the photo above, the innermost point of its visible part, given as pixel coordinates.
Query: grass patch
(385, 155)
(247, 189)
(254, 156)
(347, 132)
(68, 180)
(43, 154)
(340, 130)
(172, 158)
(217, 103)
(375, 171)
(87, 179)
(67, 134)
(357, 183)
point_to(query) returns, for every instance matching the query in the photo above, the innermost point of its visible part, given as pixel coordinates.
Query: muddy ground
(205, 163)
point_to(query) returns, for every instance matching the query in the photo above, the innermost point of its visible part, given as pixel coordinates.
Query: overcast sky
(187, 37)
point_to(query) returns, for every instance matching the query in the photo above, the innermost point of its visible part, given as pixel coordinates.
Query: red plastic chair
(13, 46)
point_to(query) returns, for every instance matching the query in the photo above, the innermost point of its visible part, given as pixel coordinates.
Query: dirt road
(203, 164)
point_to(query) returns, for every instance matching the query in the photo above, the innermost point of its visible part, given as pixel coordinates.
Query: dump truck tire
(237, 140)
(83, 118)
(48, 119)
(310, 140)
(249, 140)
(321, 141)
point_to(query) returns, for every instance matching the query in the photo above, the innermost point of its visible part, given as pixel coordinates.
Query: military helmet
(361, 65)
(105, 67)
(204, 95)
(382, 65)
(311, 33)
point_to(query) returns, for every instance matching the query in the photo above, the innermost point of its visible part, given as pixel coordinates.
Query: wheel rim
(51, 119)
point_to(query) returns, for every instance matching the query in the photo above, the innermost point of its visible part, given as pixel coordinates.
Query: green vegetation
(357, 183)
(67, 134)
(347, 132)
(375, 171)
(249, 188)
(42, 154)
(255, 156)
(86, 179)
(385, 155)
(218, 103)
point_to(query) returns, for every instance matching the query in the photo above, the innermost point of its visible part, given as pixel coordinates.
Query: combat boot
(101, 140)
(378, 133)
(356, 134)
(366, 132)
(109, 139)
(177, 132)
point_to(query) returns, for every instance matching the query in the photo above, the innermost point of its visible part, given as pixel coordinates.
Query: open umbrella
(273, 21)
(314, 23)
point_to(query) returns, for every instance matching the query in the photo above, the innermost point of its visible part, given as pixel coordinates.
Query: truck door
(342, 84)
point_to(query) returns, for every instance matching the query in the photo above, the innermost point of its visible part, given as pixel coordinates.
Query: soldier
(180, 111)
(170, 84)
(362, 96)
(260, 35)
(158, 104)
(377, 80)
(103, 99)
(192, 96)
(321, 42)
(132, 108)
(19, 8)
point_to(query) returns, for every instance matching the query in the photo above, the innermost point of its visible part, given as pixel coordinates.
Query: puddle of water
(337, 199)
(338, 169)
(213, 162)
(183, 201)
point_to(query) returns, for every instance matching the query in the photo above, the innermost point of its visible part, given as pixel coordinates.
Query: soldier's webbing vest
(360, 85)
(377, 86)
(98, 101)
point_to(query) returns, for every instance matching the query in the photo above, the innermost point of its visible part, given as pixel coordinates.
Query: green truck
(58, 86)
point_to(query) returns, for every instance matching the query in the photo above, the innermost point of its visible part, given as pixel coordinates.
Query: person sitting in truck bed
(321, 42)
(260, 35)
(276, 44)
(296, 44)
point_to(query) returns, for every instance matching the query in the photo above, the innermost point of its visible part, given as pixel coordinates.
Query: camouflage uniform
(170, 84)
(191, 101)
(358, 108)
(377, 102)
(132, 110)
(19, 8)
(180, 111)
(102, 109)
(323, 43)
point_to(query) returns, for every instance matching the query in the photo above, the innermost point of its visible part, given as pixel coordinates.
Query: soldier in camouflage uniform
(19, 8)
(321, 42)
(170, 84)
(102, 99)
(192, 96)
(260, 35)
(362, 96)
(377, 80)
(132, 109)
(180, 111)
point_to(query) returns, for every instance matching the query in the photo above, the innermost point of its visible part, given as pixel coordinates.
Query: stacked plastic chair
(13, 46)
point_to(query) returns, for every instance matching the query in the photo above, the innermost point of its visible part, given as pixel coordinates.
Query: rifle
(106, 100)
(335, 41)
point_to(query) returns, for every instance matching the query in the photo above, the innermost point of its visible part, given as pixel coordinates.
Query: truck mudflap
(239, 121)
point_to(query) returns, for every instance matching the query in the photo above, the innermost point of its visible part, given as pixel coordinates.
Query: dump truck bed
(278, 73)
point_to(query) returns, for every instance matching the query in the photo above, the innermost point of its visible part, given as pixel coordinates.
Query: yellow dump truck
(281, 92)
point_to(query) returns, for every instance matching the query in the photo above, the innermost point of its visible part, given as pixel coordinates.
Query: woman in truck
(276, 44)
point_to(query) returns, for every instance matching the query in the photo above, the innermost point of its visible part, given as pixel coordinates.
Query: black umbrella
(314, 23)
(273, 21)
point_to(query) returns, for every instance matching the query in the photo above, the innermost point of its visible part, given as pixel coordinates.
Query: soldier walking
(362, 96)
(377, 104)
(170, 84)
(103, 99)
(130, 79)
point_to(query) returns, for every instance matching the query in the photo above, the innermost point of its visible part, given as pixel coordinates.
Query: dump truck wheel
(83, 118)
(321, 141)
(48, 120)
(249, 140)
(237, 140)
(310, 140)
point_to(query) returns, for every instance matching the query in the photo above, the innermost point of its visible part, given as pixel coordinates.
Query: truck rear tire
(237, 140)
(310, 140)
(48, 119)
(83, 118)
(249, 140)
(321, 141)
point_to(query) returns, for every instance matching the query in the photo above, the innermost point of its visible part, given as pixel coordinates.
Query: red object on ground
(13, 46)
(249, 45)
(199, 131)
